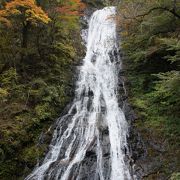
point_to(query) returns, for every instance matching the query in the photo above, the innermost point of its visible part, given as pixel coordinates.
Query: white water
(95, 107)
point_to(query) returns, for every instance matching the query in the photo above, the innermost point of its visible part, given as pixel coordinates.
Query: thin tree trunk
(174, 5)
(25, 34)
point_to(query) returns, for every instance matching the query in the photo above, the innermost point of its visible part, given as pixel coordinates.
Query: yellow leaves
(5, 21)
(3, 18)
(15, 12)
(26, 9)
(3, 93)
(33, 16)
(124, 33)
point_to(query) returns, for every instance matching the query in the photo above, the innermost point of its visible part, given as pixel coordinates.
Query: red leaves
(71, 8)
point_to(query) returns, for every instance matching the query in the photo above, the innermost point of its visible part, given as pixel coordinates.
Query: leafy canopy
(25, 9)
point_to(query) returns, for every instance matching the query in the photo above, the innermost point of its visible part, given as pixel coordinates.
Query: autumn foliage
(3, 18)
(71, 8)
(25, 9)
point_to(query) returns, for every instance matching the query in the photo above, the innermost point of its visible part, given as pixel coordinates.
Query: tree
(27, 12)
(72, 8)
(70, 11)
(36, 82)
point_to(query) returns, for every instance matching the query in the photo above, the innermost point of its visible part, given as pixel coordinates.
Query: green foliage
(167, 91)
(36, 83)
(152, 48)
(30, 155)
(8, 77)
(150, 41)
(172, 45)
(175, 176)
(3, 94)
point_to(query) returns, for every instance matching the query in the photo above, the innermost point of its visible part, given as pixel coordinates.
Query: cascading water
(89, 141)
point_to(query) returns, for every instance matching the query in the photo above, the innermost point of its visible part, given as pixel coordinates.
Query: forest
(150, 32)
(40, 47)
(37, 56)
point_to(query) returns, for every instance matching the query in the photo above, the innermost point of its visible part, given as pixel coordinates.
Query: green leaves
(167, 91)
(172, 45)
(8, 77)
(150, 41)
(35, 80)
(43, 111)
(175, 176)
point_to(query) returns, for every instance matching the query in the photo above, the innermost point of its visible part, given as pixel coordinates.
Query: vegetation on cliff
(150, 41)
(39, 43)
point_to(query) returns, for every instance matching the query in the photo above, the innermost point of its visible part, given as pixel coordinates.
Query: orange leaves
(3, 18)
(26, 9)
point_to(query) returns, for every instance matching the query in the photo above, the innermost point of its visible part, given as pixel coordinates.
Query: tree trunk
(25, 34)
(174, 5)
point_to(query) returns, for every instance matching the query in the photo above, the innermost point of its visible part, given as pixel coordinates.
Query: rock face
(94, 3)
(137, 150)
(145, 153)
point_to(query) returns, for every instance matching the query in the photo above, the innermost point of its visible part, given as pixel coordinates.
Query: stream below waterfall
(90, 141)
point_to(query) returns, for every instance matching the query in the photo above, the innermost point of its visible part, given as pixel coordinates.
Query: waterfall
(89, 142)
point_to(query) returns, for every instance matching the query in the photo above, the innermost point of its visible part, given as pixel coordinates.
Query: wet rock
(121, 73)
(90, 154)
(158, 146)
